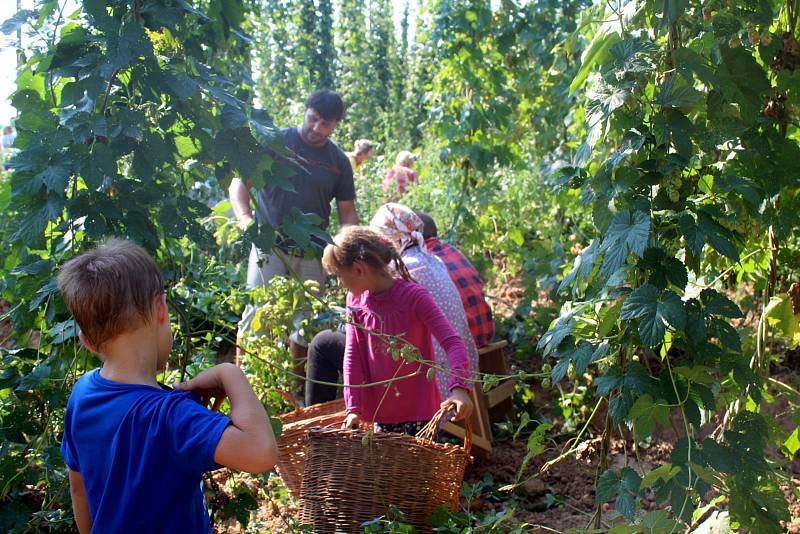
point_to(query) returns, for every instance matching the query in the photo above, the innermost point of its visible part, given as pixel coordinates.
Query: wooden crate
(497, 401)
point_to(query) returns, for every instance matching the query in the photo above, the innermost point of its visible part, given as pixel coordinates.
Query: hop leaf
(655, 311)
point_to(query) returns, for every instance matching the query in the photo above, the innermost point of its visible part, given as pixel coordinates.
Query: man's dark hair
(429, 229)
(327, 103)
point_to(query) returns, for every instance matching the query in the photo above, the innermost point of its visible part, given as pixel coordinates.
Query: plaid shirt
(470, 288)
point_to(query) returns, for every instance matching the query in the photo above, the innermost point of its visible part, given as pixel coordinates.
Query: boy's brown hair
(359, 243)
(110, 289)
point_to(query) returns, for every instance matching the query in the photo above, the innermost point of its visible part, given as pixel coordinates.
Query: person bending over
(386, 313)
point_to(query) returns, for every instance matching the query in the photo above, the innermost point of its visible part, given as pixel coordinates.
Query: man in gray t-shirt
(323, 174)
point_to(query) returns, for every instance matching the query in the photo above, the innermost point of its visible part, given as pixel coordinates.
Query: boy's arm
(80, 506)
(248, 444)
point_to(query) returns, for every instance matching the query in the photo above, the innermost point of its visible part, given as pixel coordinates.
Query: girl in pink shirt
(391, 392)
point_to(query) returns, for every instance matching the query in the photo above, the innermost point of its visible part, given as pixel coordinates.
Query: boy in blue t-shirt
(136, 452)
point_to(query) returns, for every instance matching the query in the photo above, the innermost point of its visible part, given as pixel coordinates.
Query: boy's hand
(459, 398)
(352, 421)
(208, 385)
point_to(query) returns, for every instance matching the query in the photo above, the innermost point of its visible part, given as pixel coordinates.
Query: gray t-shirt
(325, 174)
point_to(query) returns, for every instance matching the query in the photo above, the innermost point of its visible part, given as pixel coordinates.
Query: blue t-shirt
(141, 452)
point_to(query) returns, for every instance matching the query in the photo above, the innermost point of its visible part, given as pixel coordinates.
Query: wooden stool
(498, 399)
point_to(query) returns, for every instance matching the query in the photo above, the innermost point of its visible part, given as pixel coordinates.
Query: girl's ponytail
(399, 266)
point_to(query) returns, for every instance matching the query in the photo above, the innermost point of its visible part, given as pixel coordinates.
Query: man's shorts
(281, 264)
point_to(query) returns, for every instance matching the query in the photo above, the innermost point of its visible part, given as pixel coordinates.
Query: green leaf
(654, 309)
(692, 233)
(715, 303)
(782, 319)
(631, 142)
(266, 133)
(16, 21)
(720, 238)
(665, 472)
(100, 164)
(537, 440)
(645, 414)
(607, 486)
(300, 227)
(550, 341)
(792, 444)
(55, 177)
(659, 522)
(620, 406)
(671, 10)
(629, 232)
(34, 268)
(624, 486)
(583, 264)
(674, 92)
(233, 117)
(180, 84)
(689, 62)
(681, 130)
(131, 44)
(664, 269)
(744, 70)
(581, 355)
(31, 226)
(631, 55)
(603, 99)
(596, 53)
(63, 331)
(244, 154)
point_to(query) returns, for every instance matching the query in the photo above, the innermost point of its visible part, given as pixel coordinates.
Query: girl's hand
(351, 422)
(459, 398)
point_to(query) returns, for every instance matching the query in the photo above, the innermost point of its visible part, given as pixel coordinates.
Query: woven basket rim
(302, 423)
(298, 415)
(404, 439)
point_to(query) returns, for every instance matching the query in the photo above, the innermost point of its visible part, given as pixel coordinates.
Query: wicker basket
(347, 482)
(292, 441)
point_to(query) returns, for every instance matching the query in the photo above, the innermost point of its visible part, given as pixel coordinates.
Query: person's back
(141, 452)
(466, 279)
(431, 273)
(136, 450)
(470, 287)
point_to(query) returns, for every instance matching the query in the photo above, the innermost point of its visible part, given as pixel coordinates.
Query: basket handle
(288, 397)
(430, 429)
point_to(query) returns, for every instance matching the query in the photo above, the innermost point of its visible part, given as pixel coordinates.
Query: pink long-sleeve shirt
(407, 310)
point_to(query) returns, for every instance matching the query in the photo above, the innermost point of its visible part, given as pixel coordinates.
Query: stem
(605, 441)
(108, 90)
(49, 77)
(688, 439)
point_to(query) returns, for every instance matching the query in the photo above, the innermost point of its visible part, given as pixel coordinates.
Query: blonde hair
(110, 289)
(405, 158)
(359, 243)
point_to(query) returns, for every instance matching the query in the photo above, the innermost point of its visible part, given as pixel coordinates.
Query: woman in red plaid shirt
(467, 281)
